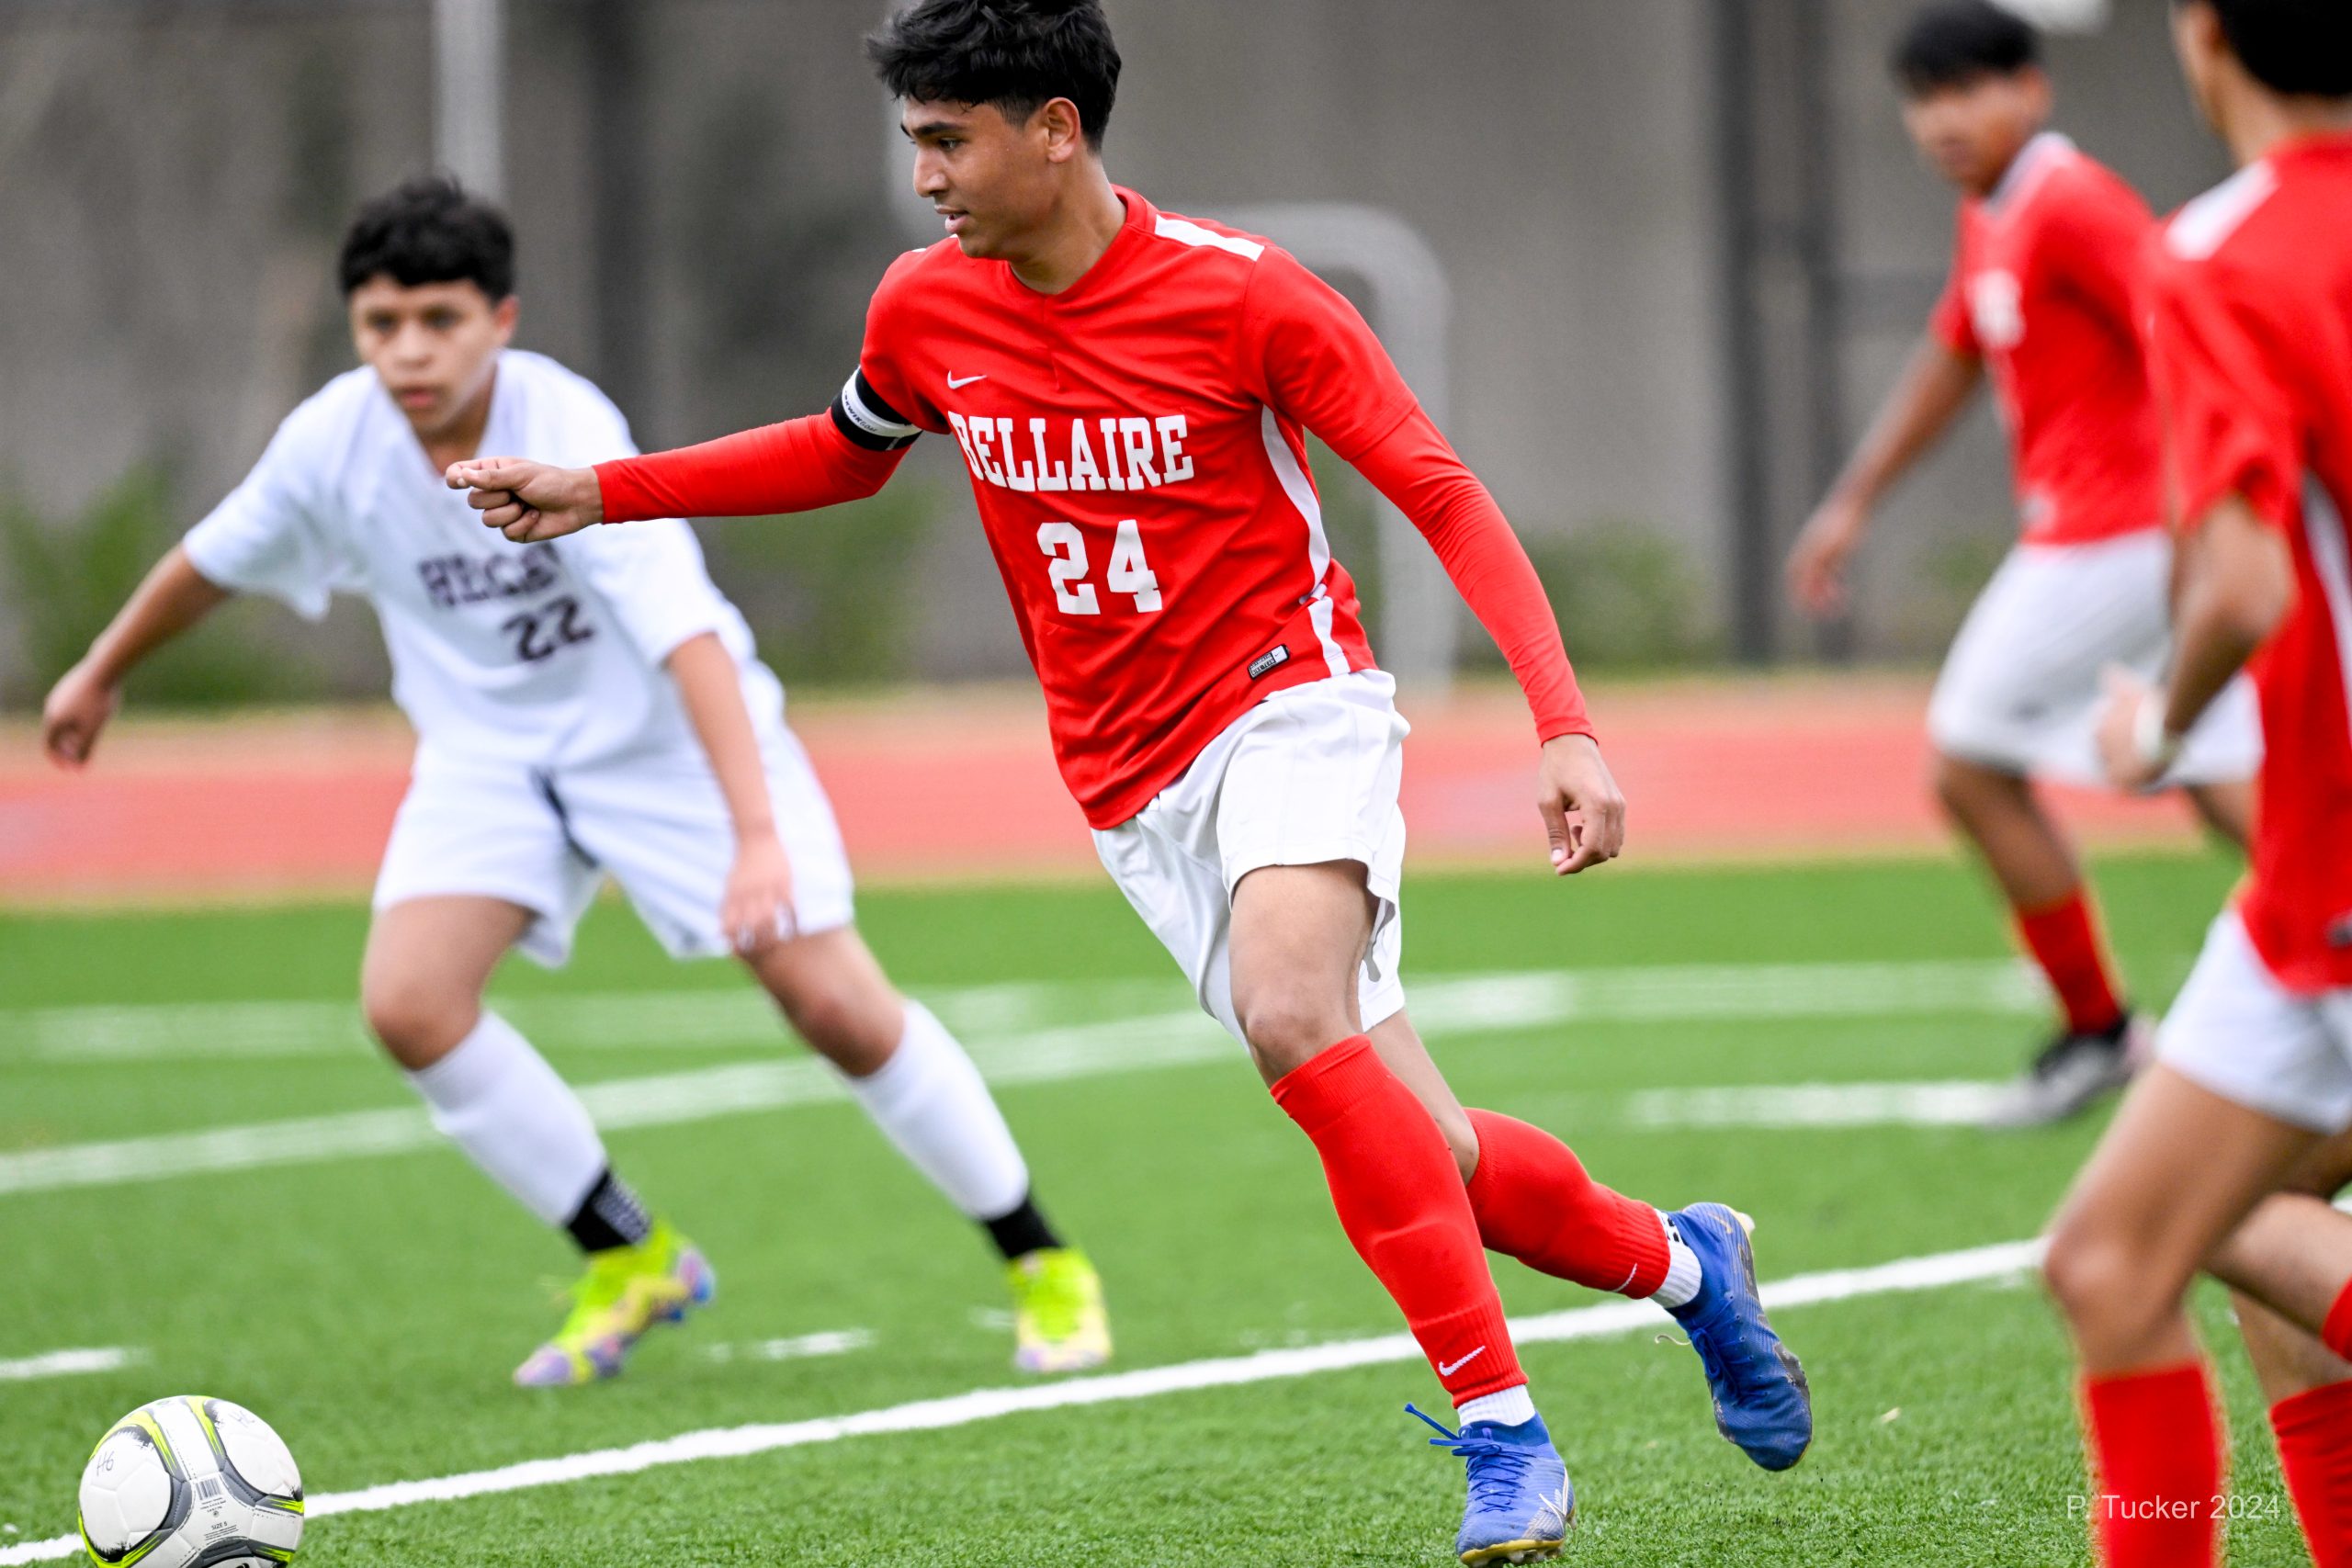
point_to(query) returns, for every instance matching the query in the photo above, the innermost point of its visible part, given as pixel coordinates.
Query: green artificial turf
(371, 1306)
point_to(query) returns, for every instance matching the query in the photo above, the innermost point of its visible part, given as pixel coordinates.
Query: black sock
(1021, 1232)
(609, 1216)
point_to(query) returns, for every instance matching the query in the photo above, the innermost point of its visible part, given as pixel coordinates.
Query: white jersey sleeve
(653, 576)
(651, 573)
(267, 536)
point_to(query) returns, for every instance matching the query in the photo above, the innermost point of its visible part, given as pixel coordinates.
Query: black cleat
(2073, 1073)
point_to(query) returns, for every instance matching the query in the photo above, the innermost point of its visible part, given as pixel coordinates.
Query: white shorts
(1309, 775)
(2236, 1031)
(2021, 691)
(545, 838)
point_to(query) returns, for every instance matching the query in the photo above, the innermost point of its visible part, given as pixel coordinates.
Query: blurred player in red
(2251, 349)
(2042, 297)
(1132, 393)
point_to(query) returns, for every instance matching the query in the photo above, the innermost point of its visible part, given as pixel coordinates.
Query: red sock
(1535, 1201)
(1400, 1200)
(2064, 940)
(2315, 1430)
(2336, 1332)
(2156, 1461)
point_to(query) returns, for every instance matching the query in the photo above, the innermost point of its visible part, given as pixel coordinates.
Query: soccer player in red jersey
(2251, 347)
(1132, 393)
(2040, 300)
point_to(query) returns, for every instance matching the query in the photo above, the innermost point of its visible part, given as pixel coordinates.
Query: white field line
(703, 1019)
(1983, 1263)
(1443, 1008)
(1946, 1103)
(69, 1363)
(799, 1346)
(665, 1101)
(695, 1019)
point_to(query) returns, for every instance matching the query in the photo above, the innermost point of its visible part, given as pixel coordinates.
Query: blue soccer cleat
(1761, 1400)
(1521, 1503)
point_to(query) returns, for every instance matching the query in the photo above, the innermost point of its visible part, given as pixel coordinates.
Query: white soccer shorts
(656, 822)
(1309, 775)
(2021, 691)
(2236, 1031)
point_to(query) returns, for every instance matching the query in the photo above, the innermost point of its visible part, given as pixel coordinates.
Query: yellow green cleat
(626, 1291)
(1058, 1318)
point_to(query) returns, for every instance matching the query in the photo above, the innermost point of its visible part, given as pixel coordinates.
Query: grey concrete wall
(173, 178)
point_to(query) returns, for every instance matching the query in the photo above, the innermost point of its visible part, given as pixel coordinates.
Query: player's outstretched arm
(1310, 355)
(1935, 386)
(798, 465)
(528, 501)
(173, 597)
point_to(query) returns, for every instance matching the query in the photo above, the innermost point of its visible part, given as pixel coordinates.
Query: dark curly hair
(1952, 42)
(1019, 55)
(2303, 47)
(429, 231)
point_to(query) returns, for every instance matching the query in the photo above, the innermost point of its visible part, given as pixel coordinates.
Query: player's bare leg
(2051, 905)
(2130, 1237)
(2226, 809)
(1298, 940)
(2288, 1360)
(421, 989)
(1399, 1045)
(920, 1088)
(2133, 1232)
(1534, 1200)
(2293, 1253)
(2308, 1390)
(2289, 1267)
(1299, 936)
(426, 964)
(834, 993)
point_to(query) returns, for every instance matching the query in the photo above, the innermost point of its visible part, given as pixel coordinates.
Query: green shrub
(66, 579)
(831, 596)
(1627, 597)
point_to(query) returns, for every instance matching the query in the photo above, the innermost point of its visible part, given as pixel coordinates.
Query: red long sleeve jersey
(2252, 346)
(1136, 448)
(2043, 289)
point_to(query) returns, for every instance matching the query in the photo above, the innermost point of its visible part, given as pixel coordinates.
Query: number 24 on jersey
(1128, 573)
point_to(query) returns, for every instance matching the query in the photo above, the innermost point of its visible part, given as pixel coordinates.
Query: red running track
(961, 786)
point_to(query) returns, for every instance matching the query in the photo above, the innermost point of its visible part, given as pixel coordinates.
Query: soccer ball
(191, 1482)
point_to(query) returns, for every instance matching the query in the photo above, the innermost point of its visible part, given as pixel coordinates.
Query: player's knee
(1969, 790)
(417, 1023)
(2095, 1278)
(853, 1030)
(1287, 1027)
(1956, 785)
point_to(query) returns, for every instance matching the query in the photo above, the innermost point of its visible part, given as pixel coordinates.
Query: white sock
(498, 1099)
(929, 1102)
(1682, 1276)
(1511, 1407)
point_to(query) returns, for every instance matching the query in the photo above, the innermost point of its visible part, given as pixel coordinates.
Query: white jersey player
(583, 709)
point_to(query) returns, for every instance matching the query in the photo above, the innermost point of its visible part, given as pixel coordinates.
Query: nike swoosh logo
(1446, 1370)
(953, 382)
